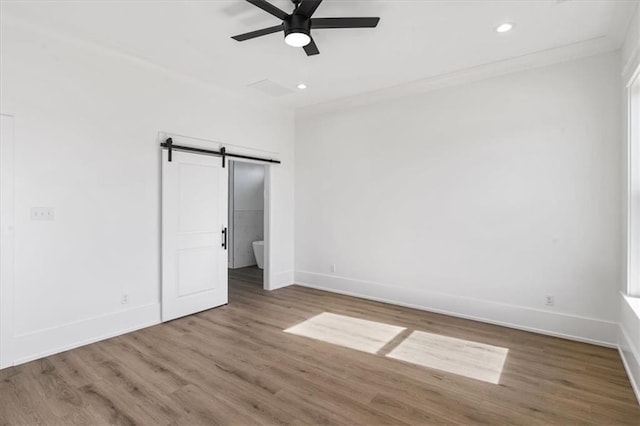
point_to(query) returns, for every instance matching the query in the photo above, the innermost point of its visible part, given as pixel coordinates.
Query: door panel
(196, 272)
(194, 213)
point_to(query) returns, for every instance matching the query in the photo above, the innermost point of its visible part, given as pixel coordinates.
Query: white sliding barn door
(194, 215)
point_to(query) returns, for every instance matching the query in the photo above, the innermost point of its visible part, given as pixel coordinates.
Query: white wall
(477, 200)
(629, 336)
(629, 50)
(248, 211)
(87, 123)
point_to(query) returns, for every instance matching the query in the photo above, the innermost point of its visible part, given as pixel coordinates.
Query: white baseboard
(42, 343)
(631, 360)
(573, 327)
(28, 347)
(281, 279)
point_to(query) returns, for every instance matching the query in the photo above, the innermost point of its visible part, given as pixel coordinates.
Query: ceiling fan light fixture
(297, 39)
(298, 24)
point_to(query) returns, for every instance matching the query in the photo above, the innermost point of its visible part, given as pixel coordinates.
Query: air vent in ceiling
(271, 88)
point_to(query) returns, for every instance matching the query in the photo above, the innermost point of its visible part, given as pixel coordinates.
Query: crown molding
(533, 60)
(538, 59)
(9, 20)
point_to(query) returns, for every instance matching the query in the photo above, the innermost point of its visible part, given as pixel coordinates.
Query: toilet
(258, 251)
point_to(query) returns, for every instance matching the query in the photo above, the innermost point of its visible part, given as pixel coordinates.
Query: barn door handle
(224, 238)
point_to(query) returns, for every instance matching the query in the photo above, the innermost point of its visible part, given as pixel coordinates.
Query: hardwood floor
(236, 365)
(250, 274)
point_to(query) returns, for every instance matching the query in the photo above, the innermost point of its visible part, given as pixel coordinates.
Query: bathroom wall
(247, 186)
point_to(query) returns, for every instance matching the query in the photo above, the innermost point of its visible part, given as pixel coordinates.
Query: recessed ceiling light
(301, 86)
(503, 28)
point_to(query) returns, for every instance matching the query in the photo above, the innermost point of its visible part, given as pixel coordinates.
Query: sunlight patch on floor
(463, 357)
(353, 333)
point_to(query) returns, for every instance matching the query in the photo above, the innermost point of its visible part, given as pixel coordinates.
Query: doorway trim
(230, 218)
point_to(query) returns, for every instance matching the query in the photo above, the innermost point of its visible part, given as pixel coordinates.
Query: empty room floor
(341, 360)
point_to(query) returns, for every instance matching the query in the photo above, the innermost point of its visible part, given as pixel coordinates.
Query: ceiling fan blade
(269, 8)
(311, 49)
(344, 23)
(307, 7)
(258, 33)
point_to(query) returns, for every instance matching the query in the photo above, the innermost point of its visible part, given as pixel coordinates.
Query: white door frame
(6, 241)
(268, 227)
(179, 139)
(230, 221)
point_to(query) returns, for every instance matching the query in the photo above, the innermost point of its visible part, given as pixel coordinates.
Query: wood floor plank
(235, 365)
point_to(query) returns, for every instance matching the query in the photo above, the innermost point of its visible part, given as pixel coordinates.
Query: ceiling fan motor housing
(297, 24)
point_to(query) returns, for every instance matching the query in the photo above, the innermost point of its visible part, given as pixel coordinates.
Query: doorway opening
(246, 224)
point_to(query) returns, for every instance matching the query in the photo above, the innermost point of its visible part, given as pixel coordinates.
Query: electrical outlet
(125, 299)
(332, 268)
(549, 301)
(41, 213)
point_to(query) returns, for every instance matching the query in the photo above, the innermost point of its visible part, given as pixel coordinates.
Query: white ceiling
(415, 39)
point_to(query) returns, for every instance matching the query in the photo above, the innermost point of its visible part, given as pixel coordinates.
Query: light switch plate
(41, 213)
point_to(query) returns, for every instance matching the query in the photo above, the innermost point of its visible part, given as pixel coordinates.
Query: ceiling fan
(297, 26)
